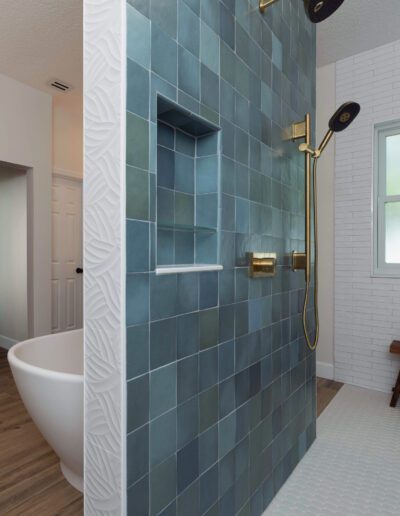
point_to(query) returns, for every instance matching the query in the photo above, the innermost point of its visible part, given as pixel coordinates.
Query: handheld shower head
(343, 116)
(319, 10)
(340, 120)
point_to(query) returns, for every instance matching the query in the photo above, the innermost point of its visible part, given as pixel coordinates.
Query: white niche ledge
(176, 269)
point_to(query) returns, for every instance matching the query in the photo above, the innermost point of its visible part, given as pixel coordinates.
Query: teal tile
(188, 73)
(137, 141)
(137, 193)
(138, 36)
(188, 29)
(164, 55)
(165, 15)
(209, 49)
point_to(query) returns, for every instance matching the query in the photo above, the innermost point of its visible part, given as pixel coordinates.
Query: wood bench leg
(396, 392)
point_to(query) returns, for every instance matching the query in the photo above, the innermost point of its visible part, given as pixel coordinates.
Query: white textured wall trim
(104, 256)
(325, 370)
(367, 308)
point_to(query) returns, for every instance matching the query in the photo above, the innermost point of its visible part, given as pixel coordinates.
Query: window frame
(380, 198)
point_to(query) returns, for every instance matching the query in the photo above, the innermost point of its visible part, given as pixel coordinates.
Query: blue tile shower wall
(221, 389)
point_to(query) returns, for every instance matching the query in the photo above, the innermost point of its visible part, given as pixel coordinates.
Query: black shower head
(319, 10)
(343, 116)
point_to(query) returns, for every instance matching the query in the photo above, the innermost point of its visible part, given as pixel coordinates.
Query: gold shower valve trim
(262, 265)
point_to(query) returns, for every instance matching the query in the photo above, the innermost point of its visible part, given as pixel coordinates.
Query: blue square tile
(209, 13)
(184, 173)
(188, 292)
(137, 246)
(163, 296)
(188, 464)
(162, 390)
(226, 360)
(162, 342)
(208, 289)
(163, 485)
(208, 488)
(138, 454)
(188, 29)
(207, 175)
(137, 350)
(188, 73)
(188, 421)
(209, 88)
(207, 210)
(188, 334)
(209, 48)
(138, 498)
(165, 167)
(165, 15)
(137, 298)
(208, 368)
(138, 36)
(208, 448)
(226, 323)
(164, 55)
(137, 89)
(188, 378)
(163, 432)
(138, 402)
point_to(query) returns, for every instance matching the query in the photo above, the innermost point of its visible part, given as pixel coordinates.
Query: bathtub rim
(41, 371)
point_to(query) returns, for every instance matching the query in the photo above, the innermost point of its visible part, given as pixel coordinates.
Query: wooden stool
(395, 348)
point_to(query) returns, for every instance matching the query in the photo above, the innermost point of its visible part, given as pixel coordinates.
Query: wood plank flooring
(31, 482)
(326, 391)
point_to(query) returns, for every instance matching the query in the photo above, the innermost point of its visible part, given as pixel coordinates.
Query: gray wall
(13, 254)
(221, 387)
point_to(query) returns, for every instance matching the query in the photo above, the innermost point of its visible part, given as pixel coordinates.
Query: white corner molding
(6, 342)
(179, 269)
(325, 370)
(104, 256)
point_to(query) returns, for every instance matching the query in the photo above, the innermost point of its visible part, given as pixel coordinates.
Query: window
(387, 200)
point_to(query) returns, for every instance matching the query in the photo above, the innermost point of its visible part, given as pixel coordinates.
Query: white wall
(68, 134)
(13, 255)
(367, 309)
(26, 140)
(326, 105)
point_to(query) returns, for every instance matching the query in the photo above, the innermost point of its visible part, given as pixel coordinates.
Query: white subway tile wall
(367, 309)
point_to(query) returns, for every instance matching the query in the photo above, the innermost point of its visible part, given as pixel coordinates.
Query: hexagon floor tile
(353, 467)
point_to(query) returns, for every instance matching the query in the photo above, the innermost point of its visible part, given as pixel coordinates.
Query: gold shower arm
(263, 4)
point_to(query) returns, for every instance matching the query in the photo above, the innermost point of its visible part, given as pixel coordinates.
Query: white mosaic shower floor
(353, 468)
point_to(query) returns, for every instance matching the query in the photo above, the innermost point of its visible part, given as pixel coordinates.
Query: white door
(67, 255)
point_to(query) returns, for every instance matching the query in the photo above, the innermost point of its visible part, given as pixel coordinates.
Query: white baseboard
(6, 342)
(325, 370)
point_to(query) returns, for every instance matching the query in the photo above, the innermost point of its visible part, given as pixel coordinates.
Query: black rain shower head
(343, 116)
(320, 10)
(317, 10)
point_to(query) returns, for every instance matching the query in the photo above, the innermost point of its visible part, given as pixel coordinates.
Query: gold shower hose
(313, 345)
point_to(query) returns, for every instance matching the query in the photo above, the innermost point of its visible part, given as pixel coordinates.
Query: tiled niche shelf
(187, 190)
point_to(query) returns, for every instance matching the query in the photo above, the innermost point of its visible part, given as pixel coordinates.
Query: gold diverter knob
(262, 265)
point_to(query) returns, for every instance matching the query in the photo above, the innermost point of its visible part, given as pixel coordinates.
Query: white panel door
(67, 271)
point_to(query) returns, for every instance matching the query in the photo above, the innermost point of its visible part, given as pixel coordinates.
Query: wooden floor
(31, 482)
(326, 391)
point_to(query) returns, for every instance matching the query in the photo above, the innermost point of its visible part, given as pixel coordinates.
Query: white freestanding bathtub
(48, 372)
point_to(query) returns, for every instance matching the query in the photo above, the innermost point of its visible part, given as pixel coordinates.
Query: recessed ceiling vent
(59, 85)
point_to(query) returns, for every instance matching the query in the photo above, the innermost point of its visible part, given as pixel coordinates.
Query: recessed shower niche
(187, 189)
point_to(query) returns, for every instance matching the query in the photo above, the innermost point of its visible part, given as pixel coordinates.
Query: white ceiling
(41, 40)
(358, 25)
